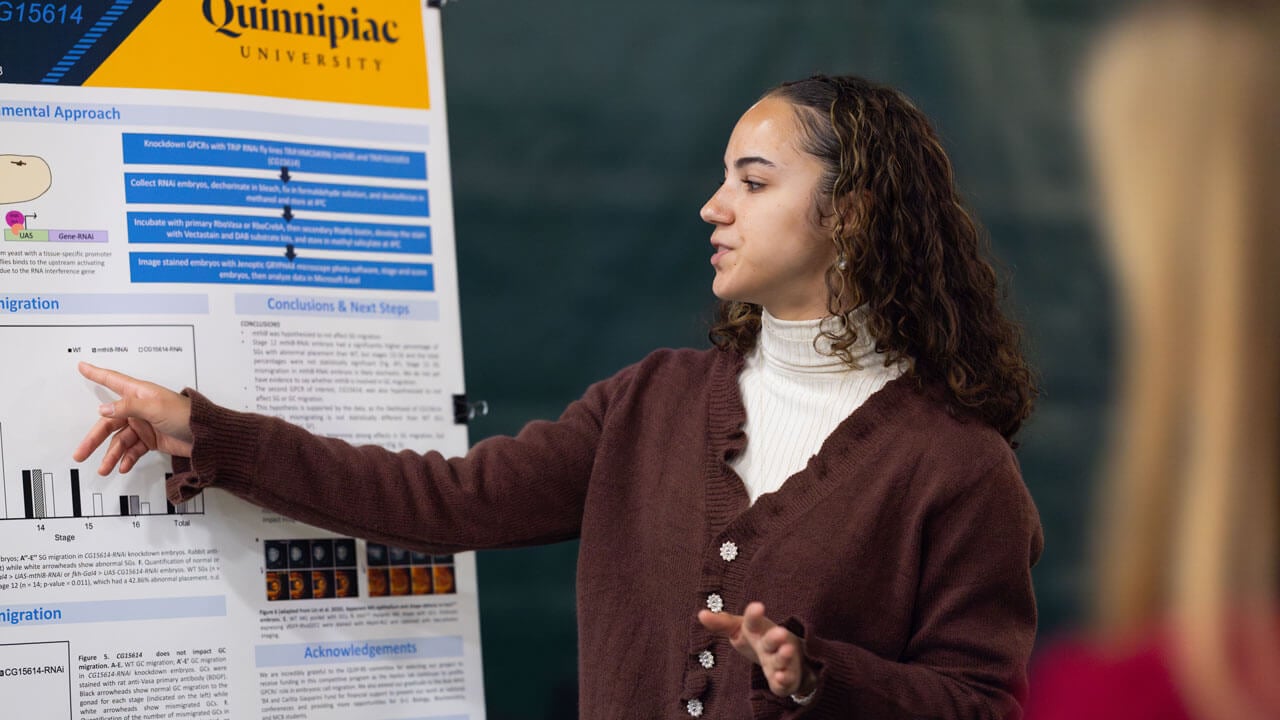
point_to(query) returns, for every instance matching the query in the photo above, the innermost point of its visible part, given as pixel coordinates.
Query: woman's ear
(852, 208)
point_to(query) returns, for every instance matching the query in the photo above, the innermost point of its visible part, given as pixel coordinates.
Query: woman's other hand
(778, 651)
(146, 417)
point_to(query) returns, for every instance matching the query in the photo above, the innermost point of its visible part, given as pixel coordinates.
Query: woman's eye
(752, 185)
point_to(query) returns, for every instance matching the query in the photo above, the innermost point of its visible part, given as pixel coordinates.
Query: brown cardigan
(901, 552)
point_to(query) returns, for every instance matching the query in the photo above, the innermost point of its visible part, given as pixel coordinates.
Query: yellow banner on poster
(369, 52)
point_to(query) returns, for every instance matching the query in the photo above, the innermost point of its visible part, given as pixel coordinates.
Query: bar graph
(37, 494)
(39, 501)
(48, 407)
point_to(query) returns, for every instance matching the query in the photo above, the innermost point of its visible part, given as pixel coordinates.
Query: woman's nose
(715, 211)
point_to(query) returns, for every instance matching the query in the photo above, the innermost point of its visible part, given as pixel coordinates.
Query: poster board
(251, 199)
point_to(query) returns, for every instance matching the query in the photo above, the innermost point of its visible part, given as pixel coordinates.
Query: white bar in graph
(97, 504)
(49, 509)
(146, 508)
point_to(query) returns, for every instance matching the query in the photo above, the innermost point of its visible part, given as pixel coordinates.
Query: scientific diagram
(23, 179)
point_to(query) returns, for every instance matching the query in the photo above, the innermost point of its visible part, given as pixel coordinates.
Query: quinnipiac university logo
(235, 19)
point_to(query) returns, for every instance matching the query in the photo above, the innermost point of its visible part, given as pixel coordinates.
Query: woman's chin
(724, 290)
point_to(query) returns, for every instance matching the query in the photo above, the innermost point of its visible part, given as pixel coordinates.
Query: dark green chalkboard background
(584, 138)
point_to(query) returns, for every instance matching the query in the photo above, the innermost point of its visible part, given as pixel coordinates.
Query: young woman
(821, 515)
(1183, 111)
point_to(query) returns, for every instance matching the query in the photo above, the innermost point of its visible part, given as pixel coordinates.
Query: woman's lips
(720, 252)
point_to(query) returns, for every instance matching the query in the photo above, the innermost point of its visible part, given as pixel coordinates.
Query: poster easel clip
(465, 411)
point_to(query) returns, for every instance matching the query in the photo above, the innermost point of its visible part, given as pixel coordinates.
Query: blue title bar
(270, 270)
(211, 151)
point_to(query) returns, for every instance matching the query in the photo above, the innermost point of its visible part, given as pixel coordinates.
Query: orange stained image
(399, 580)
(275, 586)
(443, 577)
(344, 584)
(421, 580)
(378, 583)
(321, 584)
(299, 585)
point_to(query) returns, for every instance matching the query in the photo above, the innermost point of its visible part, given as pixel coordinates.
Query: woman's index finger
(118, 382)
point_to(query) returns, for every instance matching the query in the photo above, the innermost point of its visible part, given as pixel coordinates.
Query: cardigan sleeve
(973, 624)
(505, 492)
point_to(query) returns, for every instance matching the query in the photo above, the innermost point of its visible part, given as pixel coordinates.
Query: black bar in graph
(75, 493)
(124, 504)
(171, 509)
(27, 505)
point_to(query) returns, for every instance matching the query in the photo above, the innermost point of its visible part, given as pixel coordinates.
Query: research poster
(251, 199)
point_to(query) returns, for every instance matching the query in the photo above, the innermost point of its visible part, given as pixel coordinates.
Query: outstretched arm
(506, 492)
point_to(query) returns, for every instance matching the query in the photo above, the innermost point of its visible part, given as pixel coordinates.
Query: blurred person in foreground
(1182, 109)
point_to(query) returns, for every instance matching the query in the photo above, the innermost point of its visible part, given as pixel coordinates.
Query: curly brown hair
(913, 257)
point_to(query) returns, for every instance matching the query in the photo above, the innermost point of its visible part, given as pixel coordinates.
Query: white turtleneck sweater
(795, 394)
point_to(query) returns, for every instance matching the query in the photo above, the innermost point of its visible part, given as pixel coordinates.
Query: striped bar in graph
(37, 493)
